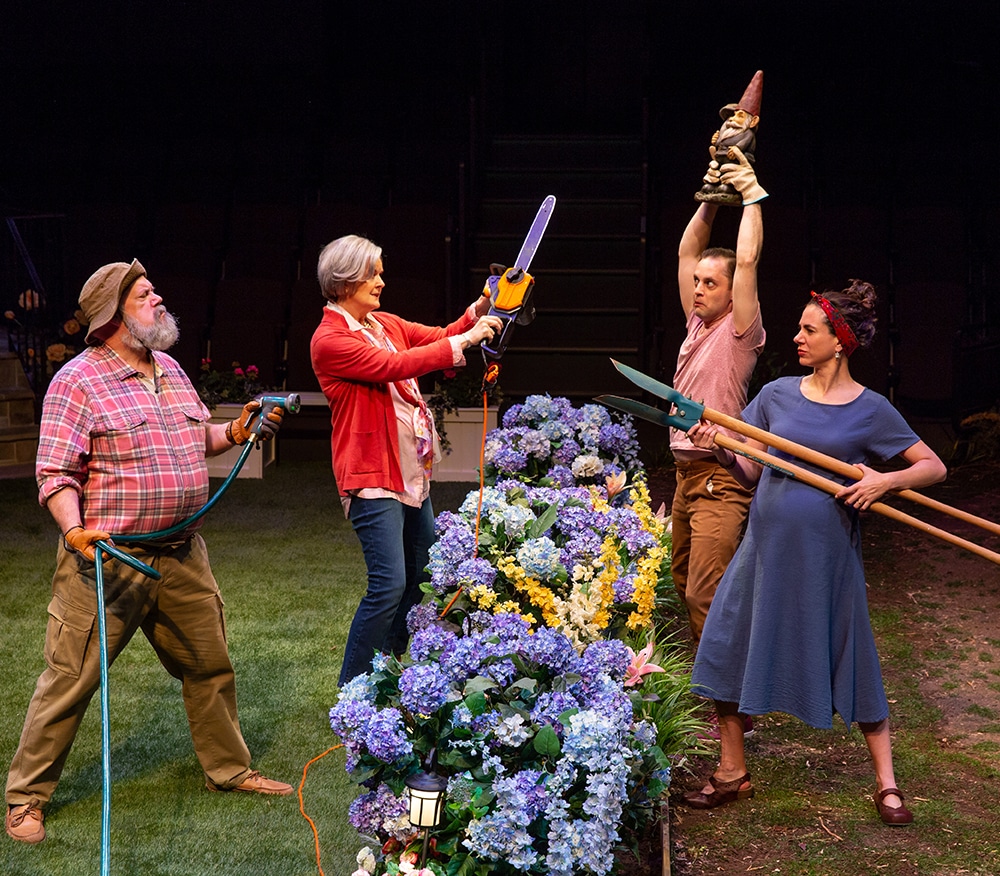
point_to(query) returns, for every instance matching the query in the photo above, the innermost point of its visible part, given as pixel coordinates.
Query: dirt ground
(949, 600)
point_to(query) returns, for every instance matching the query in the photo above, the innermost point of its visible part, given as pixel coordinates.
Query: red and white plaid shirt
(135, 457)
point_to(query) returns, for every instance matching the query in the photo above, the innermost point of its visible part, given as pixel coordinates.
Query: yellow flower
(483, 596)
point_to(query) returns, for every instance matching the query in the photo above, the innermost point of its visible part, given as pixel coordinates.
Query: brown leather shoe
(255, 783)
(24, 823)
(896, 816)
(722, 793)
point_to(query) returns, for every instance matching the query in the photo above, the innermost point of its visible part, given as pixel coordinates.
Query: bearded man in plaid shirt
(122, 448)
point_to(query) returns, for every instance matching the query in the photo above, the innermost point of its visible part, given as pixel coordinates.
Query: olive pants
(182, 617)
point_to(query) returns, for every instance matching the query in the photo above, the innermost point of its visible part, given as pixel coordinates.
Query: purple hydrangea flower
(476, 572)
(370, 812)
(421, 616)
(566, 452)
(424, 688)
(613, 438)
(428, 640)
(561, 476)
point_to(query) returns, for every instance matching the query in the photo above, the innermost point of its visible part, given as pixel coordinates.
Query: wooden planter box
(465, 432)
(260, 458)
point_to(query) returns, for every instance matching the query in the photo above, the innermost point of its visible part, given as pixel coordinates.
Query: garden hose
(289, 403)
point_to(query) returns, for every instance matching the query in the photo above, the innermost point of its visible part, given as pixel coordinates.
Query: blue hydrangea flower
(428, 640)
(509, 459)
(385, 737)
(515, 519)
(535, 443)
(539, 557)
(550, 648)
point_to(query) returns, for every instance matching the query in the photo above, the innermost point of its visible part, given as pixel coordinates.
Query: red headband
(845, 334)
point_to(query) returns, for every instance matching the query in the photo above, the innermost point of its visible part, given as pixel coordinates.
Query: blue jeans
(395, 539)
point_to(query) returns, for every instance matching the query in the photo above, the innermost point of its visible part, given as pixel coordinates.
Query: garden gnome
(736, 136)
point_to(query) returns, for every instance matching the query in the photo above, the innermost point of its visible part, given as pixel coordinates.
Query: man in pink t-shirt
(718, 290)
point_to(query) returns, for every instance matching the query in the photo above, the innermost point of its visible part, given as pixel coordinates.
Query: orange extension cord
(489, 379)
(302, 807)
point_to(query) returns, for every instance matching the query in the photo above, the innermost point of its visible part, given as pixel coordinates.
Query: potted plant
(457, 405)
(225, 393)
(236, 386)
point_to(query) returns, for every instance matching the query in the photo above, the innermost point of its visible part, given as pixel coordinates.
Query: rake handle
(825, 484)
(840, 467)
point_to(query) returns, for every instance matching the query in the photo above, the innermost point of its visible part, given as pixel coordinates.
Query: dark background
(224, 143)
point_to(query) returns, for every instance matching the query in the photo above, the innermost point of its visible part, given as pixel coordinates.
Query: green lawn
(291, 573)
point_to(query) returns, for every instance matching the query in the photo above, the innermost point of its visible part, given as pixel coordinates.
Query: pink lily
(615, 484)
(640, 666)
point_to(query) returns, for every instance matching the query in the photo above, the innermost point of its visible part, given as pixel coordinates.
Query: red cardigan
(355, 376)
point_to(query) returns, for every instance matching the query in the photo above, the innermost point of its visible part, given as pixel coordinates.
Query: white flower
(366, 861)
(511, 731)
(587, 466)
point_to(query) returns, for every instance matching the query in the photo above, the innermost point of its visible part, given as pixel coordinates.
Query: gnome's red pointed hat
(750, 102)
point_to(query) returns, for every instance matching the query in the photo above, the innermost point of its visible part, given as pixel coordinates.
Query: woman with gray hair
(383, 442)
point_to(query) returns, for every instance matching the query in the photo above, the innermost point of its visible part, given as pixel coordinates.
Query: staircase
(589, 274)
(18, 430)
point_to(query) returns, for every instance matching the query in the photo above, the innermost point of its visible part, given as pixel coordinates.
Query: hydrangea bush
(546, 760)
(518, 684)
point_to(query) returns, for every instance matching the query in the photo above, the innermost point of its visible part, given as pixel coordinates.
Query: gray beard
(162, 335)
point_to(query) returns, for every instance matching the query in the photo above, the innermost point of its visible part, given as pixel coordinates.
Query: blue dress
(788, 630)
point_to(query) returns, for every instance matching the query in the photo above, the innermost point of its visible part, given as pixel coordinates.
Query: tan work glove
(741, 177)
(81, 541)
(238, 431)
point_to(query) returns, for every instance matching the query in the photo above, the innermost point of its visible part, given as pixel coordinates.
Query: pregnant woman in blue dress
(789, 630)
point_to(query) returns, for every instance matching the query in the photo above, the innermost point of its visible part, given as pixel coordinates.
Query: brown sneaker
(24, 823)
(255, 783)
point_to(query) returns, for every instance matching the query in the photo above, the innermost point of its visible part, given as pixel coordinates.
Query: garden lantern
(426, 800)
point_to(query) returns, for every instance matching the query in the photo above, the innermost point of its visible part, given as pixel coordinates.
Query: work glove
(81, 541)
(239, 431)
(741, 177)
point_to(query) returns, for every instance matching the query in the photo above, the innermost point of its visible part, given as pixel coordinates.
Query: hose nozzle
(291, 402)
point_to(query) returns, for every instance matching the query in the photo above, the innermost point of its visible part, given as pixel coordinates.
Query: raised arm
(739, 173)
(693, 243)
(749, 243)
